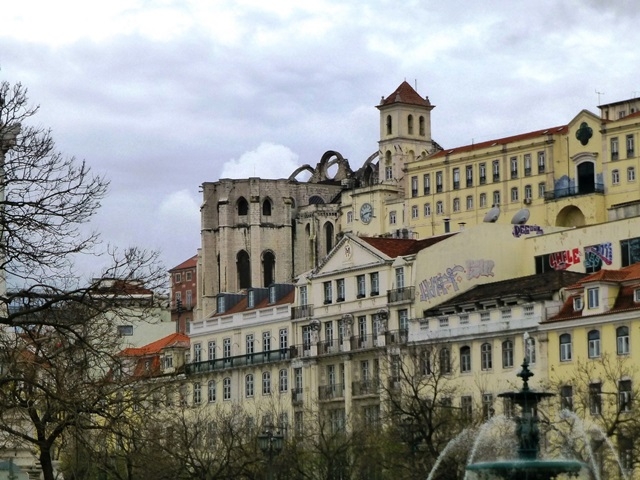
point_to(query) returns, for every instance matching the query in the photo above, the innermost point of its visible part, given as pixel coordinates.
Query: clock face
(366, 213)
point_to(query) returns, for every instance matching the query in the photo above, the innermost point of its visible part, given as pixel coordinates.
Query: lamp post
(271, 442)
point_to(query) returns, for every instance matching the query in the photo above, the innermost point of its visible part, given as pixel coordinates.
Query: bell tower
(405, 131)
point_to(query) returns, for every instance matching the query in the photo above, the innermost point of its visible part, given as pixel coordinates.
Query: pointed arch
(243, 206)
(268, 268)
(243, 265)
(328, 236)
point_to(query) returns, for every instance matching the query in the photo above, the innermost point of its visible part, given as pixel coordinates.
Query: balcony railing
(304, 311)
(365, 387)
(242, 360)
(297, 396)
(329, 346)
(573, 191)
(331, 392)
(364, 341)
(396, 337)
(404, 294)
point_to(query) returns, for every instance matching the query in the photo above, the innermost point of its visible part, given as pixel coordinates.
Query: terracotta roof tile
(173, 340)
(501, 141)
(191, 263)
(396, 247)
(405, 94)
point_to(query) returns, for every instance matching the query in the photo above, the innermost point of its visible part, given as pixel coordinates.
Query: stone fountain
(527, 465)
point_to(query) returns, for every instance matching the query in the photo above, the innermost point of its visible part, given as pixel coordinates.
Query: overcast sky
(163, 95)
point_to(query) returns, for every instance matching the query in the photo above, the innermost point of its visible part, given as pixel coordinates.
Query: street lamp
(271, 442)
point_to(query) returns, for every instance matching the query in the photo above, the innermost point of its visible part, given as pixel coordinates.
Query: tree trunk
(45, 462)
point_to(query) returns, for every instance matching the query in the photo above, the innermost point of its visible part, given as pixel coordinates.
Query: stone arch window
(268, 268)
(243, 206)
(389, 125)
(243, 264)
(410, 124)
(266, 207)
(421, 126)
(328, 236)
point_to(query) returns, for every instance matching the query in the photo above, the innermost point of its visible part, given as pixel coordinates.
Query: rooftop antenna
(599, 93)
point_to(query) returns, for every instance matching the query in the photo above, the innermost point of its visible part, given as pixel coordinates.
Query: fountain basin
(525, 469)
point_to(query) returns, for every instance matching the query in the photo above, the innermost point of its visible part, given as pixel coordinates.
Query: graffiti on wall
(519, 230)
(596, 255)
(565, 259)
(449, 281)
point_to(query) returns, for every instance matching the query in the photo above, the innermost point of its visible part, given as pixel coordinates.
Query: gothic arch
(268, 268)
(243, 266)
(328, 236)
(266, 207)
(243, 206)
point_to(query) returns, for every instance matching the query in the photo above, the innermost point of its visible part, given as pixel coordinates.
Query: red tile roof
(501, 141)
(191, 263)
(396, 247)
(154, 348)
(405, 94)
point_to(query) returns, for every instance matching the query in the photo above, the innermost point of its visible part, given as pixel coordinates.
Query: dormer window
(636, 295)
(221, 305)
(593, 297)
(251, 299)
(272, 294)
(577, 304)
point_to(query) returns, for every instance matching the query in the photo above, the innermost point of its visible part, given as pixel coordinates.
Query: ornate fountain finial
(525, 374)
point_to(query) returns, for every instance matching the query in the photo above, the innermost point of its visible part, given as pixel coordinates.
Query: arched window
(243, 206)
(486, 357)
(266, 207)
(389, 125)
(410, 124)
(594, 343)
(244, 269)
(445, 361)
(622, 340)
(248, 386)
(284, 381)
(565, 347)
(465, 359)
(268, 268)
(421, 126)
(328, 236)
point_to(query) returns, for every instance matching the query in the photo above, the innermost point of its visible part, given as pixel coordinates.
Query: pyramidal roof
(405, 94)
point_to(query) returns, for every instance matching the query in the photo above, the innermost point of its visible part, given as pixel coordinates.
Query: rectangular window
(340, 290)
(541, 162)
(439, 207)
(284, 339)
(266, 383)
(403, 319)
(496, 198)
(361, 286)
(197, 352)
(388, 172)
(566, 397)
(631, 174)
(514, 167)
(595, 398)
(226, 347)
(189, 299)
(178, 277)
(304, 296)
(469, 202)
(438, 182)
(469, 175)
(266, 341)
(400, 277)
(514, 194)
(328, 293)
(630, 146)
(427, 209)
(414, 211)
(197, 393)
(487, 406)
(188, 276)
(426, 181)
(226, 388)
(125, 330)
(212, 350)
(496, 170)
(456, 204)
(593, 300)
(483, 200)
(614, 148)
(249, 344)
(414, 186)
(630, 250)
(466, 407)
(211, 391)
(625, 395)
(542, 189)
(392, 217)
(527, 164)
(615, 177)
(483, 173)
(456, 178)
(528, 194)
(283, 381)
(375, 283)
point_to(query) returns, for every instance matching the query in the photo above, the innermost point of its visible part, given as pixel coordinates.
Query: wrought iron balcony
(396, 337)
(365, 387)
(329, 346)
(297, 396)
(304, 311)
(241, 360)
(574, 191)
(364, 341)
(333, 391)
(404, 294)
